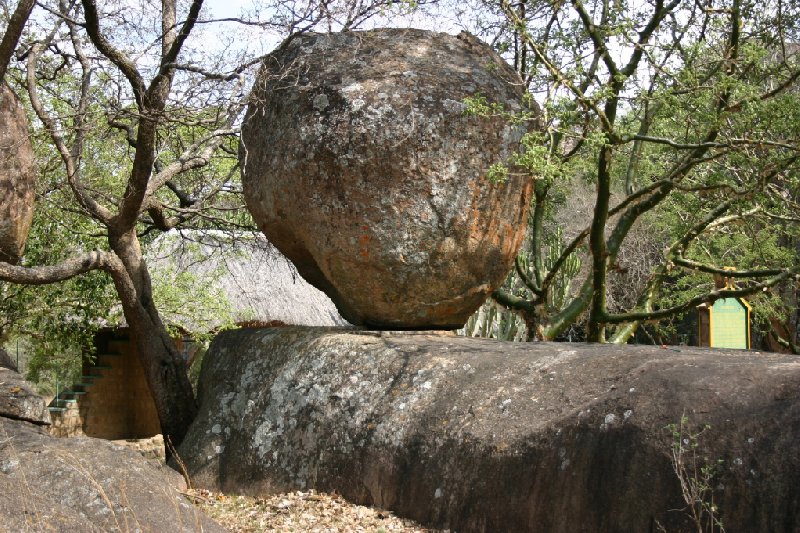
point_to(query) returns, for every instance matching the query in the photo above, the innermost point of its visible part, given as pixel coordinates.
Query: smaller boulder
(80, 483)
(17, 177)
(86, 484)
(18, 400)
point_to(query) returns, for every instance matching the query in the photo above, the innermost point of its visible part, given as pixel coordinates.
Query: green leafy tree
(678, 110)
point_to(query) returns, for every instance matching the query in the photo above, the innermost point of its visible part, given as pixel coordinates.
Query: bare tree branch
(92, 207)
(43, 275)
(594, 34)
(709, 297)
(13, 32)
(123, 62)
(711, 144)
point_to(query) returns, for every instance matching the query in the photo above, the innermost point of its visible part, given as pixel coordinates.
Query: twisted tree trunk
(163, 366)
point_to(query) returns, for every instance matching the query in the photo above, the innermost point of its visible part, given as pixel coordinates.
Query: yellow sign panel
(730, 324)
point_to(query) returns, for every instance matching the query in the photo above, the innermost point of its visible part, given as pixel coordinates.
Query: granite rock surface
(362, 167)
(482, 435)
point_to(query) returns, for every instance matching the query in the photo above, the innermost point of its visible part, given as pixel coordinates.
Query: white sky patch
(255, 41)
(230, 36)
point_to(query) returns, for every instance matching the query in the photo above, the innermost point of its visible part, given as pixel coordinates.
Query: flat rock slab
(481, 435)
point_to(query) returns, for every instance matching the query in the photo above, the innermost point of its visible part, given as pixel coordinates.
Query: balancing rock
(360, 164)
(17, 177)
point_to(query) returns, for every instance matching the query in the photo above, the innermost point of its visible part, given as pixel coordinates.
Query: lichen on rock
(17, 177)
(361, 166)
(481, 435)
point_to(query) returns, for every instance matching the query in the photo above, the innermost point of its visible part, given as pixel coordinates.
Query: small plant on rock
(696, 475)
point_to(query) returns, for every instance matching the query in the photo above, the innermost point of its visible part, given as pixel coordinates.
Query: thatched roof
(258, 283)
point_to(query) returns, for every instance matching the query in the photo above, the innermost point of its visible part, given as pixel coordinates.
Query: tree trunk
(597, 244)
(534, 322)
(163, 366)
(8, 43)
(169, 384)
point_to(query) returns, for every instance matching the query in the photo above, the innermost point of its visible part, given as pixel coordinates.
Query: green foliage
(707, 115)
(498, 173)
(480, 106)
(536, 159)
(189, 295)
(56, 323)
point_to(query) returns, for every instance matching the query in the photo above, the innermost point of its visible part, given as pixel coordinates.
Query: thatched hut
(254, 282)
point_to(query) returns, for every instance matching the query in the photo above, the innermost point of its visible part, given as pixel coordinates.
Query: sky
(256, 41)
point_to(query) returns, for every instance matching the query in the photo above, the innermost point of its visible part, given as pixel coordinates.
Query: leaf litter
(299, 511)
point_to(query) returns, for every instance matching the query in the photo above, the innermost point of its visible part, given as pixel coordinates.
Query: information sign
(729, 320)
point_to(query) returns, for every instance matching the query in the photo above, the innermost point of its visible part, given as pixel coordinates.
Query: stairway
(65, 409)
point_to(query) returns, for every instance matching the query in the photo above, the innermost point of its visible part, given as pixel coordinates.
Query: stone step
(63, 403)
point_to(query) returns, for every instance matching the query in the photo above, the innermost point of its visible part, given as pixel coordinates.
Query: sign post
(725, 323)
(729, 324)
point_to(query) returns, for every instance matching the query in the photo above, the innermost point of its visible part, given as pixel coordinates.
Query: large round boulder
(362, 167)
(17, 177)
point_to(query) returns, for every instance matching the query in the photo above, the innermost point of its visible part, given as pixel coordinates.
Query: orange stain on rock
(363, 242)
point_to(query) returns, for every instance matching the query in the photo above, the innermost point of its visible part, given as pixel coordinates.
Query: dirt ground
(297, 511)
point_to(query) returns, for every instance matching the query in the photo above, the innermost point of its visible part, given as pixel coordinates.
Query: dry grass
(299, 512)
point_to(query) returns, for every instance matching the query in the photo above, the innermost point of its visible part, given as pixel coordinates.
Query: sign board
(728, 323)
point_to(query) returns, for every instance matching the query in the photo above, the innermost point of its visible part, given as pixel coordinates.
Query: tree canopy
(682, 116)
